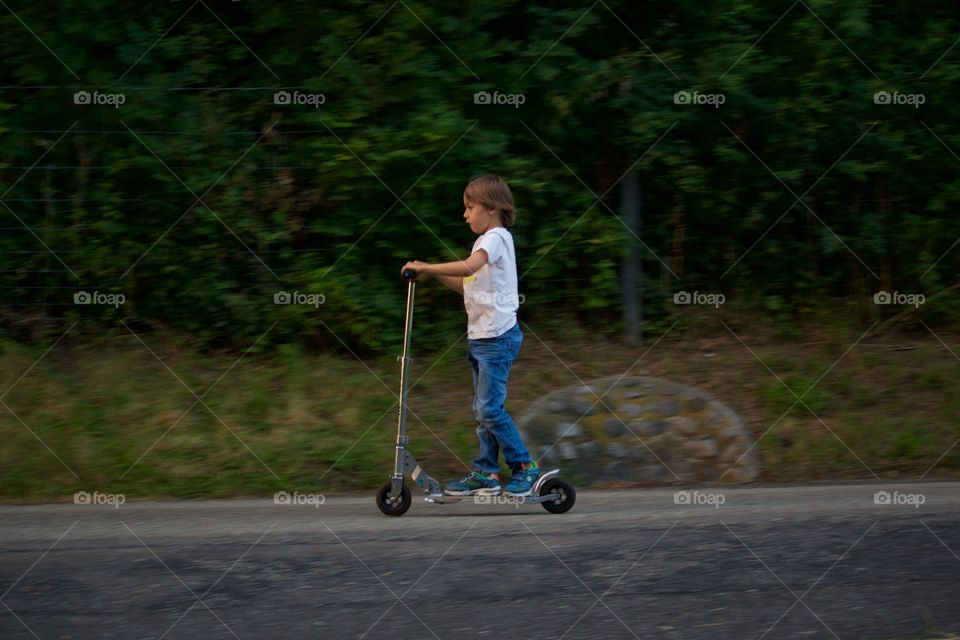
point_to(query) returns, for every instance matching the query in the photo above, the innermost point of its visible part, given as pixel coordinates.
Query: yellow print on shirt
(469, 279)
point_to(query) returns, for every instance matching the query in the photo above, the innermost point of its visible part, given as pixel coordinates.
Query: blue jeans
(490, 359)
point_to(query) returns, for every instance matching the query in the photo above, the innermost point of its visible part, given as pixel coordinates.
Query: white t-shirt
(490, 294)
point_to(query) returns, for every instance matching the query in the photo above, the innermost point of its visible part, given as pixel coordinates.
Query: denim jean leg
(494, 357)
(487, 460)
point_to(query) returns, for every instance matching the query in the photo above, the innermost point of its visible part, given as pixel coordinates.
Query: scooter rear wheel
(565, 495)
(390, 504)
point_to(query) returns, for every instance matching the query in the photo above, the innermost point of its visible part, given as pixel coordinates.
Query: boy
(488, 282)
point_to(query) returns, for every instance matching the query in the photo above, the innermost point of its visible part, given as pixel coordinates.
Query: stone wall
(644, 429)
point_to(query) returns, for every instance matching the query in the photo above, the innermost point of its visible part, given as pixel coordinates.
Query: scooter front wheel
(391, 504)
(564, 495)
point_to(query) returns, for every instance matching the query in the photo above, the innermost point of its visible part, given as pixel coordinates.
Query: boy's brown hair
(492, 192)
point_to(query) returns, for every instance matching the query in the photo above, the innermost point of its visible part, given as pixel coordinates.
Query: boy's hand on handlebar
(416, 265)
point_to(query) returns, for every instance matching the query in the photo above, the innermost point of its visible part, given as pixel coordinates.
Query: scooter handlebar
(409, 274)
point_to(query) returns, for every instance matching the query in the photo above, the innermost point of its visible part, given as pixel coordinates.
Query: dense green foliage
(331, 200)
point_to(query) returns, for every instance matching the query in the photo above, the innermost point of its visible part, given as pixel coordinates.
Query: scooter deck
(533, 497)
(500, 498)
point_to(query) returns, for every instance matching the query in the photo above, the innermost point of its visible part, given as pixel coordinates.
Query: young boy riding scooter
(488, 282)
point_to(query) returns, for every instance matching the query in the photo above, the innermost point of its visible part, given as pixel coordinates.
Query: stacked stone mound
(644, 429)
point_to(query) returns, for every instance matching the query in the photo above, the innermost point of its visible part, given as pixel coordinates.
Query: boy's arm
(452, 282)
(451, 274)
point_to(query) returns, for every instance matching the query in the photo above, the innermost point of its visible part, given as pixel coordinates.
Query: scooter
(553, 493)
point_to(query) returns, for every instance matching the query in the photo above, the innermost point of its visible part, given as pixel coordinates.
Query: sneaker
(472, 484)
(522, 481)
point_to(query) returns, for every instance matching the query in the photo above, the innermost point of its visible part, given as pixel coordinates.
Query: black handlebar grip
(409, 274)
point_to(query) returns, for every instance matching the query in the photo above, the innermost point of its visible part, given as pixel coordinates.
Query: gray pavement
(811, 561)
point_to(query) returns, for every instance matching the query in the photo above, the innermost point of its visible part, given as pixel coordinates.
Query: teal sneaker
(474, 483)
(522, 481)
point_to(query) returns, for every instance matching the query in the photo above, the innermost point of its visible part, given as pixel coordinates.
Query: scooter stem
(399, 459)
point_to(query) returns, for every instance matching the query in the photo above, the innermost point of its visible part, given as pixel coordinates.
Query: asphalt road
(816, 561)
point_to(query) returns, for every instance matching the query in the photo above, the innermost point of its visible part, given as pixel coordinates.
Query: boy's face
(477, 216)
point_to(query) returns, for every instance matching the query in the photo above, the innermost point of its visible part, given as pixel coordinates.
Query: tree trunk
(631, 269)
